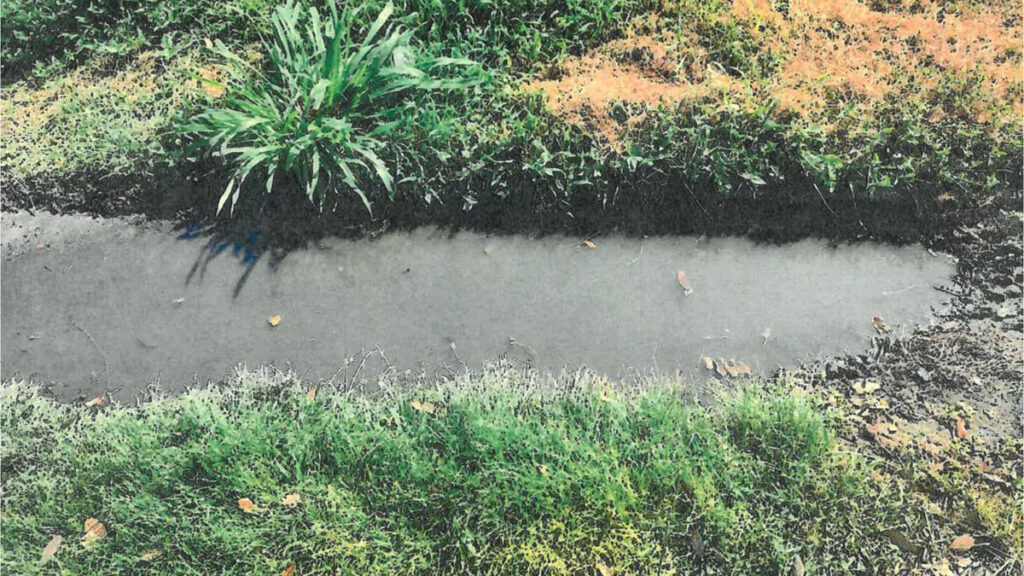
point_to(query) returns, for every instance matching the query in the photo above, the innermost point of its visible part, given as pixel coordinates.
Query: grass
(504, 472)
(939, 119)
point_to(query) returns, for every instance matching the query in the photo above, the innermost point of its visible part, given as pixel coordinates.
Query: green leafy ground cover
(504, 472)
(114, 91)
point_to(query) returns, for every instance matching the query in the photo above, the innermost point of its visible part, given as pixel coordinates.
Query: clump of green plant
(327, 107)
(503, 472)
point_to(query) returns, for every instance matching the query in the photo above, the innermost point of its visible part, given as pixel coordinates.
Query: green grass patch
(504, 472)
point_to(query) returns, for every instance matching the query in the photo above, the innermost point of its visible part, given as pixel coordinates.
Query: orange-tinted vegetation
(830, 54)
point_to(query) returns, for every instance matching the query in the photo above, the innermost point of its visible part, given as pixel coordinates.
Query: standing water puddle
(104, 305)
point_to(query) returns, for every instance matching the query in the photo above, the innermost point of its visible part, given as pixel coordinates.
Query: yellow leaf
(289, 571)
(311, 394)
(543, 469)
(292, 500)
(961, 544)
(604, 570)
(589, 244)
(426, 407)
(274, 320)
(94, 530)
(741, 368)
(98, 402)
(709, 364)
(51, 549)
(150, 556)
(880, 324)
(246, 504)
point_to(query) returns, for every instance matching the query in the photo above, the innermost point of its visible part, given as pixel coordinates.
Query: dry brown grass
(831, 53)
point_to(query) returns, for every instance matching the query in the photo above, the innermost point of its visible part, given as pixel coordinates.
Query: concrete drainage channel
(106, 306)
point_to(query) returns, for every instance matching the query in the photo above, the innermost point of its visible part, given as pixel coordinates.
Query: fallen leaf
(900, 541)
(150, 556)
(1003, 312)
(604, 570)
(289, 571)
(961, 429)
(681, 277)
(880, 324)
(179, 300)
(424, 407)
(292, 500)
(720, 367)
(741, 368)
(246, 504)
(543, 470)
(274, 320)
(950, 325)
(589, 244)
(97, 402)
(963, 562)
(961, 544)
(798, 567)
(51, 549)
(311, 394)
(94, 530)
(709, 364)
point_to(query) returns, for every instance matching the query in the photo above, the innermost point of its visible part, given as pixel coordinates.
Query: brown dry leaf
(963, 562)
(604, 569)
(97, 402)
(720, 367)
(961, 544)
(709, 364)
(150, 556)
(274, 320)
(589, 244)
(961, 429)
(94, 530)
(311, 394)
(246, 504)
(424, 407)
(289, 571)
(292, 500)
(741, 368)
(681, 277)
(51, 549)
(880, 324)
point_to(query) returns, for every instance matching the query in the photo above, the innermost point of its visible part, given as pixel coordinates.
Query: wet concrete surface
(105, 305)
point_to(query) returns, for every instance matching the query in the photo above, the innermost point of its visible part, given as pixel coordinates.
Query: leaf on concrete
(51, 549)
(681, 277)
(709, 364)
(274, 320)
(589, 244)
(880, 324)
(97, 402)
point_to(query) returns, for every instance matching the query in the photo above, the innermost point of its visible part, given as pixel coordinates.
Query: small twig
(106, 366)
